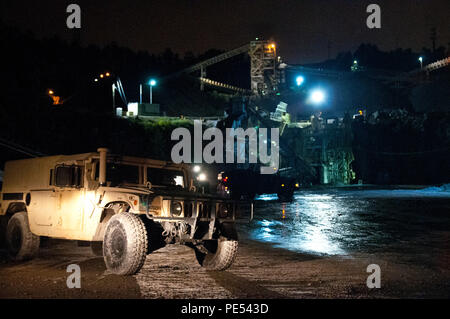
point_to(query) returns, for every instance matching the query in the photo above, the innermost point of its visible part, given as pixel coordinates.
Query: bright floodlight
(420, 59)
(317, 96)
(201, 177)
(152, 82)
(299, 80)
(196, 169)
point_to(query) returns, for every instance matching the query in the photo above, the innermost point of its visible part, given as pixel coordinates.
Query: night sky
(302, 28)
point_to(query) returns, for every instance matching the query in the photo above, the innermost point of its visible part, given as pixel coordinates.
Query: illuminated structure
(264, 76)
(264, 73)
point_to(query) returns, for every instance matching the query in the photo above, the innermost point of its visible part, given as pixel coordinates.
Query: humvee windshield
(118, 174)
(165, 177)
(122, 174)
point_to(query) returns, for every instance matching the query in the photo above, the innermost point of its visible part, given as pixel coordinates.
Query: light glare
(299, 80)
(317, 96)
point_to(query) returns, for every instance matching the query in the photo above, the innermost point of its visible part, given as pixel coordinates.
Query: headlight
(176, 208)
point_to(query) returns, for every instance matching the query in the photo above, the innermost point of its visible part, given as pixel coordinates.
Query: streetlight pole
(152, 83)
(151, 94)
(114, 98)
(421, 62)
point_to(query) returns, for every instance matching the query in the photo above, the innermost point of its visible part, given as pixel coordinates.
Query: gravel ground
(260, 271)
(318, 246)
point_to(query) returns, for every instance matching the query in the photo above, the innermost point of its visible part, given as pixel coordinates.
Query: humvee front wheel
(21, 242)
(220, 254)
(125, 244)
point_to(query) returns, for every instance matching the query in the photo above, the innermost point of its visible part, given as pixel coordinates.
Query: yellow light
(101, 75)
(282, 185)
(296, 185)
(107, 74)
(272, 46)
(50, 92)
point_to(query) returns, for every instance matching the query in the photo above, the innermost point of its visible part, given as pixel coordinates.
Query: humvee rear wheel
(22, 244)
(220, 256)
(125, 244)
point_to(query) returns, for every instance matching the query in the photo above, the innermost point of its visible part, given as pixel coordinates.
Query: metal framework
(206, 81)
(264, 76)
(216, 59)
(264, 73)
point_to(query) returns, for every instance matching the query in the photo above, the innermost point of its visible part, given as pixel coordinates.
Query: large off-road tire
(221, 254)
(22, 244)
(125, 244)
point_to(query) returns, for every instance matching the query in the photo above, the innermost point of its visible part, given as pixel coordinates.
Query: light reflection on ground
(340, 222)
(297, 231)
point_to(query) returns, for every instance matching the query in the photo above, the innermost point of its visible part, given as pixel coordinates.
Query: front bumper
(199, 207)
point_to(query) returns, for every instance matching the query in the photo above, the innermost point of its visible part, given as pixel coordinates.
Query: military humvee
(125, 206)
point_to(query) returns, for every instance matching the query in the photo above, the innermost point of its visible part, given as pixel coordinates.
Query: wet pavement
(347, 221)
(317, 246)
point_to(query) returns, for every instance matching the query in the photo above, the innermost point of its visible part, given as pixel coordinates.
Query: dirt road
(260, 271)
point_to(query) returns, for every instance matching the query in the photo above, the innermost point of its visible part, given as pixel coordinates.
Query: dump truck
(126, 207)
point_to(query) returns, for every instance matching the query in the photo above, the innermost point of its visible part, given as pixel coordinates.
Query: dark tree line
(369, 56)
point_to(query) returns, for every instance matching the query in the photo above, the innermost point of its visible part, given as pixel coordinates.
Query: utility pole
(202, 75)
